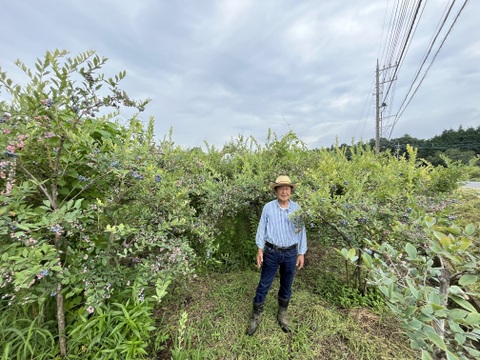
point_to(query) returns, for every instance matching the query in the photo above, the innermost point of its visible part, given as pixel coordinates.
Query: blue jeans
(272, 260)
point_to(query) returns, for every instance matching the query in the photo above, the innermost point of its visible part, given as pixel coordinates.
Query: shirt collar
(286, 208)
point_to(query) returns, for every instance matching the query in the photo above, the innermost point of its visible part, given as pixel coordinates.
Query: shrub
(88, 205)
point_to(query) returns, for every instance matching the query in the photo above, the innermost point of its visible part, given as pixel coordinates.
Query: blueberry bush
(94, 214)
(392, 221)
(429, 284)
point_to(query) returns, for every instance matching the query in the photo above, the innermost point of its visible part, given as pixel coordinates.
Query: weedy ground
(219, 305)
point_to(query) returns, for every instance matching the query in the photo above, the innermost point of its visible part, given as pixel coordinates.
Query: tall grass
(23, 338)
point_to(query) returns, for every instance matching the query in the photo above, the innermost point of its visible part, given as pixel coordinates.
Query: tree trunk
(61, 322)
(358, 272)
(439, 325)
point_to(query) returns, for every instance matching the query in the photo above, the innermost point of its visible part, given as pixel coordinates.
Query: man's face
(283, 193)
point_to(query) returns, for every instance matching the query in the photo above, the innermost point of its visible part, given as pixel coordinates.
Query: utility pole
(378, 117)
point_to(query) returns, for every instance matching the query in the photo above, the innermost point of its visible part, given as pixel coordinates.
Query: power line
(368, 102)
(428, 52)
(411, 16)
(404, 23)
(402, 110)
(404, 47)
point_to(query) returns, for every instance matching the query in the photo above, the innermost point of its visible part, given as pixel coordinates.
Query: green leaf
(473, 352)
(460, 338)
(352, 254)
(78, 204)
(435, 338)
(23, 227)
(469, 229)
(410, 311)
(453, 230)
(426, 355)
(415, 324)
(467, 279)
(434, 298)
(464, 304)
(438, 307)
(451, 356)
(411, 251)
(430, 221)
(455, 327)
(427, 308)
(465, 243)
(438, 234)
(367, 259)
(473, 318)
(458, 314)
(413, 290)
(445, 241)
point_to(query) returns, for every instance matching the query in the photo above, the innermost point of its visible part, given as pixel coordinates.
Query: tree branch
(39, 184)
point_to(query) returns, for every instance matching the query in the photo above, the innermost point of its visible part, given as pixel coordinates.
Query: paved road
(471, 185)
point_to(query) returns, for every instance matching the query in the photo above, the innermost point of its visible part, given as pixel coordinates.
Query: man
(282, 243)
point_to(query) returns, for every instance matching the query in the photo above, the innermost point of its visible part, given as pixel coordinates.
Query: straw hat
(283, 180)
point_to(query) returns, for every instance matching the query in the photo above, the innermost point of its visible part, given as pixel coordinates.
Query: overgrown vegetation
(117, 246)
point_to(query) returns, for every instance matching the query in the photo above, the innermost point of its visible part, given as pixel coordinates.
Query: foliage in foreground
(89, 209)
(428, 284)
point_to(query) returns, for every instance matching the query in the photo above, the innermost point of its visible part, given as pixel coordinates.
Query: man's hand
(259, 258)
(300, 261)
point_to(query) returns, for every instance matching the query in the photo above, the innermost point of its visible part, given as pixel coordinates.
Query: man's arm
(302, 242)
(261, 232)
(302, 248)
(259, 258)
(300, 261)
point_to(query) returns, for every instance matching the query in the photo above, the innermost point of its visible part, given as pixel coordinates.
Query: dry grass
(219, 307)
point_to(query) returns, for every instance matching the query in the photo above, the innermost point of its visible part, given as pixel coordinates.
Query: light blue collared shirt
(278, 227)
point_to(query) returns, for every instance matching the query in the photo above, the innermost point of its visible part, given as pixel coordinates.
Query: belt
(278, 248)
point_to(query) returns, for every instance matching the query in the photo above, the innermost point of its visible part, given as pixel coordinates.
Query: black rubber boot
(256, 317)
(282, 314)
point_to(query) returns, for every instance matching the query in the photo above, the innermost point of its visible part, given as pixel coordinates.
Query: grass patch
(468, 210)
(219, 305)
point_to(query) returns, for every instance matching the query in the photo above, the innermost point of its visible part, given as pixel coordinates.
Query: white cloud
(215, 69)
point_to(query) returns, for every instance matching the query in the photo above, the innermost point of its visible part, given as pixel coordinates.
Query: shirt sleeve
(262, 230)
(302, 243)
(302, 238)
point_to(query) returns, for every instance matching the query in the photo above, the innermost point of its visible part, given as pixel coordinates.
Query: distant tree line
(458, 145)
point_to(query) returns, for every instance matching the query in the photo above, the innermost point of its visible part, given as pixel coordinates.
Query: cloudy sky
(216, 69)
